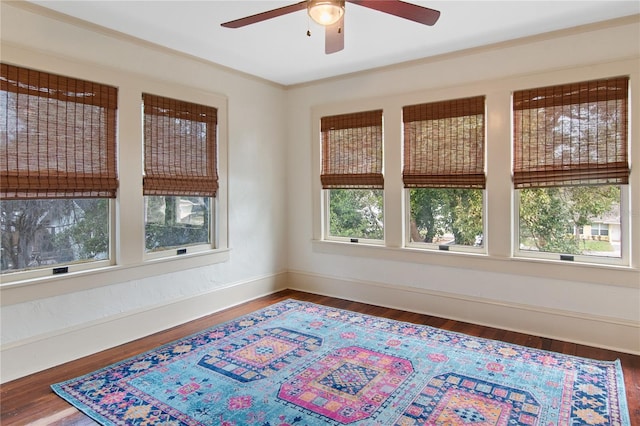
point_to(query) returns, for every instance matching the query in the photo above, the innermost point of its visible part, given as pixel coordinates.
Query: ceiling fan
(330, 14)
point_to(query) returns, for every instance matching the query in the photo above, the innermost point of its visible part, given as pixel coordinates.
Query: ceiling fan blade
(259, 17)
(334, 37)
(413, 12)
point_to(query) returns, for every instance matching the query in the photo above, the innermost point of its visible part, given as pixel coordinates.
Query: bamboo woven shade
(444, 144)
(352, 151)
(57, 136)
(572, 134)
(180, 148)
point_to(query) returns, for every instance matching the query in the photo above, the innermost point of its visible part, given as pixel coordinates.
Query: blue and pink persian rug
(297, 363)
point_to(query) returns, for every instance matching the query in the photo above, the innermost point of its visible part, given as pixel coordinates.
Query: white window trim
(78, 266)
(127, 261)
(191, 248)
(623, 260)
(218, 205)
(499, 194)
(352, 240)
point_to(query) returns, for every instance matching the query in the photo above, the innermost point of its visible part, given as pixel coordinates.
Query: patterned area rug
(297, 363)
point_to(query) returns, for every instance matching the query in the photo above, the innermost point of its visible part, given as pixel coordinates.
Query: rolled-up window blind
(571, 134)
(352, 151)
(444, 144)
(180, 148)
(58, 136)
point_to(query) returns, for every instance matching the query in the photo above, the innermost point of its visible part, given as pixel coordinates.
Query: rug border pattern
(617, 409)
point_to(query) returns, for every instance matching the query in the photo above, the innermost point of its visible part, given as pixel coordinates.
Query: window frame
(437, 247)
(624, 259)
(363, 115)
(453, 108)
(189, 248)
(353, 240)
(213, 242)
(127, 245)
(103, 177)
(499, 196)
(217, 250)
(551, 96)
(71, 267)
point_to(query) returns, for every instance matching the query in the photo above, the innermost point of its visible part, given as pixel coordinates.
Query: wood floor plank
(30, 400)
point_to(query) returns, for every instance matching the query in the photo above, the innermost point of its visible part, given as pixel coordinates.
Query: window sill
(51, 286)
(541, 268)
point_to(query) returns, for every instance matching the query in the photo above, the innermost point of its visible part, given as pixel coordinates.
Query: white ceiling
(280, 51)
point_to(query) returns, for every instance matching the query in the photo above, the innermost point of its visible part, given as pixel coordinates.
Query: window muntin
(443, 172)
(352, 165)
(58, 170)
(601, 229)
(571, 169)
(181, 180)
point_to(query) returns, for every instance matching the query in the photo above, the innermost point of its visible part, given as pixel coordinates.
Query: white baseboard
(22, 358)
(29, 356)
(603, 332)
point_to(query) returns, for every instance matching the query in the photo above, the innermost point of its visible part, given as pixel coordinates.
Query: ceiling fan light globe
(325, 12)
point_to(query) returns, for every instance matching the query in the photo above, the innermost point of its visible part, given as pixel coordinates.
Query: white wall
(270, 199)
(45, 323)
(594, 305)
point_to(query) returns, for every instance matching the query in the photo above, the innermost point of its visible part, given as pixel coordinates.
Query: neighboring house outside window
(599, 230)
(606, 227)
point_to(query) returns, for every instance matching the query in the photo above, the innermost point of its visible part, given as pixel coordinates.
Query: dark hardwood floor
(29, 400)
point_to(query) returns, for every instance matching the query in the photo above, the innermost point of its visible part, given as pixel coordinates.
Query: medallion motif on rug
(300, 364)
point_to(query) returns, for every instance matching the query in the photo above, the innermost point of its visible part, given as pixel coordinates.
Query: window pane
(176, 221)
(356, 213)
(45, 232)
(582, 220)
(446, 216)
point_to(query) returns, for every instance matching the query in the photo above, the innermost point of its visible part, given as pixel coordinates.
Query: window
(444, 172)
(352, 175)
(571, 168)
(58, 170)
(599, 230)
(180, 152)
